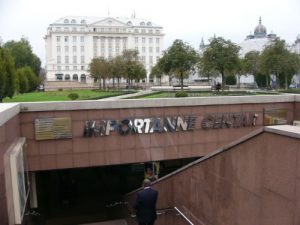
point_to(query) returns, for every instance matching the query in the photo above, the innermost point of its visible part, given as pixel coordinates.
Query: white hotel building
(72, 42)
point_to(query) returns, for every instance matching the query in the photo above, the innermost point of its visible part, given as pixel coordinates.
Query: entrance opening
(86, 195)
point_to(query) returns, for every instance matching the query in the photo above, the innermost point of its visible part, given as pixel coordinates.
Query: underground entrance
(86, 195)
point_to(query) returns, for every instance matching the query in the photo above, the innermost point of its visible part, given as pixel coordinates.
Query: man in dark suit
(145, 204)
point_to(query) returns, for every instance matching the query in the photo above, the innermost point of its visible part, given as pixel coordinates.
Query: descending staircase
(112, 222)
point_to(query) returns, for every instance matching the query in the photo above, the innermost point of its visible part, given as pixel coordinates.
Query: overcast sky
(189, 20)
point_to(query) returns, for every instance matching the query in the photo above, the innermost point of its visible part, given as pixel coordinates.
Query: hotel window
(66, 21)
(75, 59)
(74, 67)
(157, 40)
(82, 59)
(82, 48)
(117, 49)
(67, 67)
(136, 30)
(82, 39)
(117, 30)
(143, 59)
(66, 29)
(58, 48)
(73, 21)
(74, 29)
(150, 40)
(143, 49)
(81, 29)
(58, 59)
(150, 49)
(66, 48)
(157, 31)
(136, 40)
(57, 28)
(66, 59)
(157, 49)
(143, 31)
(150, 31)
(74, 38)
(58, 38)
(58, 67)
(136, 48)
(82, 67)
(150, 60)
(143, 40)
(66, 38)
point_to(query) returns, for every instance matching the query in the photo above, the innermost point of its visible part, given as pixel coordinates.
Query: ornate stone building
(72, 42)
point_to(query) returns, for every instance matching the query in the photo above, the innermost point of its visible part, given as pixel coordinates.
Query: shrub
(73, 96)
(181, 94)
(231, 80)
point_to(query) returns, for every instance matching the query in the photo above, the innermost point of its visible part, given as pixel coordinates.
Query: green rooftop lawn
(62, 95)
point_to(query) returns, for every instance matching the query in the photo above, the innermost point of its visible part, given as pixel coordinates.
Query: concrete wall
(9, 132)
(255, 182)
(116, 149)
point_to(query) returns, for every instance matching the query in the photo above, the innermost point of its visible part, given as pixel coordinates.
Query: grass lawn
(204, 94)
(62, 95)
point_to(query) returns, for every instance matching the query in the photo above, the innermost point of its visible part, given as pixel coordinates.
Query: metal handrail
(165, 210)
(187, 219)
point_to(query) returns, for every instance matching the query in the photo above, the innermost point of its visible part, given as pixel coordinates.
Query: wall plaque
(53, 128)
(275, 116)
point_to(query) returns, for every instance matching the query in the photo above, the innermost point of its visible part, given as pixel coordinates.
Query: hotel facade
(72, 42)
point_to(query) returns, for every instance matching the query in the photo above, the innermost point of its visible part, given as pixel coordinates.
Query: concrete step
(112, 222)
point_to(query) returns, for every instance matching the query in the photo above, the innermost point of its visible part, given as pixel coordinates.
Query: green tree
(23, 55)
(250, 64)
(138, 70)
(179, 60)
(117, 69)
(156, 72)
(7, 74)
(276, 59)
(206, 69)
(130, 60)
(222, 56)
(30, 77)
(22, 81)
(99, 70)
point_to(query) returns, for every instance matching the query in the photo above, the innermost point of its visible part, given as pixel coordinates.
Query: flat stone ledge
(286, 130)
(8, 111)
(148, 103)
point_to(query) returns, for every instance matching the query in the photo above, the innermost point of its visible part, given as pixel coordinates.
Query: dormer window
(142, 23)
(66, 21)
(129, 23)
(73, 21)
(82, 21)
(149, 23)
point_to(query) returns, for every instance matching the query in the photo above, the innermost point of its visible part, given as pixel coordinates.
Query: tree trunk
(223, 80)
(114, 82)
(104, 84)
(286, 81)
(118, 80)
(99, 79)
(181, 77)
(239, 81)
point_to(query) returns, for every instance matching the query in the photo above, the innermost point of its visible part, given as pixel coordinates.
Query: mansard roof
(84, 20)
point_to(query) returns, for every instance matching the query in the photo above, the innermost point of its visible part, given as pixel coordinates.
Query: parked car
(41, 87)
